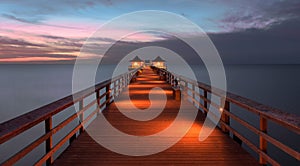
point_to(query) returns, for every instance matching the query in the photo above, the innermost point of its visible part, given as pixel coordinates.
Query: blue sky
(211, 15)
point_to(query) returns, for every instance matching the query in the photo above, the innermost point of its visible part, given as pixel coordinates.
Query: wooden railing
(105, 90)
(265, 113)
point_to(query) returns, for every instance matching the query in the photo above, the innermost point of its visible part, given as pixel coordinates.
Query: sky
(258, 32)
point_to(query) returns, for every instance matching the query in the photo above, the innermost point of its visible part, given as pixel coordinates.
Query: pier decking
(217, 149)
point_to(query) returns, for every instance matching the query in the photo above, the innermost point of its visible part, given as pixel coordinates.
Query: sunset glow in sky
(39, 31)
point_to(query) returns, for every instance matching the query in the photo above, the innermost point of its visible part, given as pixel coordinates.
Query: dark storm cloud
(280, 43)
(258, 14)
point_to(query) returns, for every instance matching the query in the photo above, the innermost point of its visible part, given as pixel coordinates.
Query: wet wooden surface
(217, 149)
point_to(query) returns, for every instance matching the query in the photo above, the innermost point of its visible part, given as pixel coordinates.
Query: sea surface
(27, 87)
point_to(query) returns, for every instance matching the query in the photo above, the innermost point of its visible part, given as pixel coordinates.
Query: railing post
(81, 116)
(120, 85)
(263, 125)
(107, 94)
(48, 128)
(167, 77)
(225, 118)
(126, 80)
(185, 85)
(129, 78)
(123, 81)
(204, 101)
(98, 100)
(193, 94)
(116, 87)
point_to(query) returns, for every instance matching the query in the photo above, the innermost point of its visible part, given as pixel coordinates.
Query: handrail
(22, 123)
(265, 113)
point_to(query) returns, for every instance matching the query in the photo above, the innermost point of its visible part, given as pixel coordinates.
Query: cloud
(37, 8)
(18, 42)
(102, 39)
(34, 20)
(256, 31)
(11, 17)
(257, 14)
(37, 55)
(53, 37)
(18, 48)
(64, 41)
(278, 44)
(107, 2)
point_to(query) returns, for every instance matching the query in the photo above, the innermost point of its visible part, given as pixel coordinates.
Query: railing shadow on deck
(199, 92)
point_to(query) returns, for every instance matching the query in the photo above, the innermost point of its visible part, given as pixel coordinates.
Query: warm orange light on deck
(167, 92)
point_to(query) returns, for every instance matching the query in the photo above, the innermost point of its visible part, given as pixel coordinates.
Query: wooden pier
(217, 149)
(222, 147)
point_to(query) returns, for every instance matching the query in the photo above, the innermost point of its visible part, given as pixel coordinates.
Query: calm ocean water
(26, 87)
